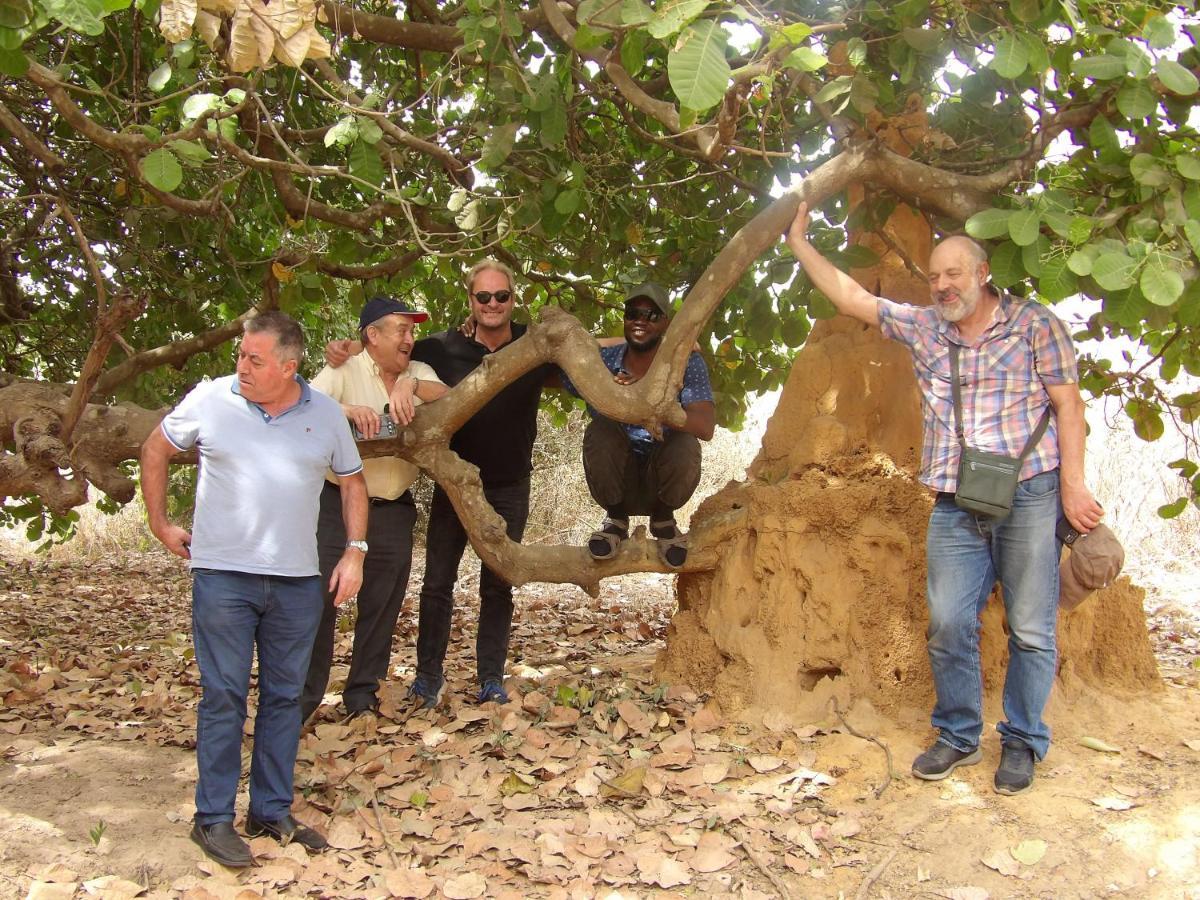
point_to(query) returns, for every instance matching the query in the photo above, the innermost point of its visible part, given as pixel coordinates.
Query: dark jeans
(444, 545)
(639, 484)
(231, 613)
(385, 581)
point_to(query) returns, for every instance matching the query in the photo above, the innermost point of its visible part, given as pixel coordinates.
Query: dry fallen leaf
(627, 785)
(712, 852)
(1192, 744)
(1029, 852)
(408, 883)
(969, 892)
(465, 887)
(1002, 861)
(1116, 804)
(762, 764)
(345, 834)
(665, 871)
(1096, 744)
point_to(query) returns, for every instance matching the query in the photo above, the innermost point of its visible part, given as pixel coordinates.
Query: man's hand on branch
(337, 352)
(797, 233)
(365, 419)
(623, 377)
(400, 401)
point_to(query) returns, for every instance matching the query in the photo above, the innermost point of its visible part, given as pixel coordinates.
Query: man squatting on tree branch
(265, 440)
(1016, 359)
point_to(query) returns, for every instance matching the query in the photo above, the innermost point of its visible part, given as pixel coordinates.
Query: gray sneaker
(1015, 772)
(941, 759)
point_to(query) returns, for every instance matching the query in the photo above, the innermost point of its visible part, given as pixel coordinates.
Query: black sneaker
(941, 759)
(287, 831)
(1015, 772)
(427, 690)
(220, 841)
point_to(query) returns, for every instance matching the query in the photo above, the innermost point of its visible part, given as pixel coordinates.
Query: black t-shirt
(499, 438)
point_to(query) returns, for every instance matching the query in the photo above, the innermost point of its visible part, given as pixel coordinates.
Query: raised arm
(850, 297)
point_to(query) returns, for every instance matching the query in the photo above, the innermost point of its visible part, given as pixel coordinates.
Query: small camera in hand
(387, 427)
(1066, 532)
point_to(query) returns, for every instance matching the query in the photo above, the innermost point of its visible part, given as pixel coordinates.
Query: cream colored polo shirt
(358, 383)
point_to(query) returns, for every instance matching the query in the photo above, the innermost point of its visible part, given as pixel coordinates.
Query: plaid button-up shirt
(1004, 375)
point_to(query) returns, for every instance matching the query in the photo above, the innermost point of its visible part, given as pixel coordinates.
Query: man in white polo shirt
(384, 377)
(265, 440)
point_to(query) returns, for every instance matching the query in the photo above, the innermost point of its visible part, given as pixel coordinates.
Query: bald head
(958, 273)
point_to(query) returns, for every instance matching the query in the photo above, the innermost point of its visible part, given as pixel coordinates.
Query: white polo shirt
(260, 480)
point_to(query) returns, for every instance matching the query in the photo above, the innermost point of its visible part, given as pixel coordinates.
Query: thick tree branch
(30, 141)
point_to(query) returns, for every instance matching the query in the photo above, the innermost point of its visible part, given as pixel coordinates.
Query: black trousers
(617, 476)
(444, 545)
(385, 581)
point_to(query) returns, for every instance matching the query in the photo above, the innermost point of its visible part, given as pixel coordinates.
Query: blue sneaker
(493, 691)
(428, 689)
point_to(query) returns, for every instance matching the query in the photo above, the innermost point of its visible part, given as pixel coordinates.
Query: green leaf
(1171, 510)
(923, 40)
(567, 202)
(1136, 100)
(599, 14)
(633, 51)
(1057, 281)
(1033, 254)
(10, 39)
(161, 169)
(1147, 423)
(1176, 78)
(1102, 68)
(988, 224)
(1080, 230)
(189, 151)
(368, 129)
(84, 16)
(14, 63)
(198, 104)
(789, 35)
(1160, 284)
(1147, 170)
(1191, 230)
(1103, 136)
(159, 78)
(15, 14)
(696, 67)
(499, 145)
(672, 15)
(1024, 226)
(1007, 267)
(365, 163)
(1080, 262)
(835, 88)
(805, 59)
(635, 13)
(1026, 10)
(1159, 32)
(1188, 166)
(1114, 271)
(1012, 56)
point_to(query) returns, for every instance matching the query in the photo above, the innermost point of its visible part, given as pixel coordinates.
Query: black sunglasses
(637, 313)
(483, 298)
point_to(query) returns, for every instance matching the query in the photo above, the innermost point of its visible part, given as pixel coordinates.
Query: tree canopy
(169, 167)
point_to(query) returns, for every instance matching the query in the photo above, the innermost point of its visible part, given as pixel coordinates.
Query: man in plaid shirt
(1015, 360)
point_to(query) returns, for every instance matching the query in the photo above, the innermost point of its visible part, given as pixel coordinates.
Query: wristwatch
(357, 545)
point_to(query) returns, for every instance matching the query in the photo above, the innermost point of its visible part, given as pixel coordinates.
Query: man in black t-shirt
(499, 440)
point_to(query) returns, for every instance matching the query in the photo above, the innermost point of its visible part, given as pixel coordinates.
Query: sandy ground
(1096, 823)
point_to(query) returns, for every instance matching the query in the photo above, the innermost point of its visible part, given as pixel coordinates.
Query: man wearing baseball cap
(383, 379)
(629, 473)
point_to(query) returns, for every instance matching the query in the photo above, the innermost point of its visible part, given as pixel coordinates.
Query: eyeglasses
(638, 313)
(483, 298)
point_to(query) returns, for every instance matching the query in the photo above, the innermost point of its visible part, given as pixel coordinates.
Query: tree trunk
(820, 592)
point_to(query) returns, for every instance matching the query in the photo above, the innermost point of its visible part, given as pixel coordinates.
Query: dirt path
(594, 782)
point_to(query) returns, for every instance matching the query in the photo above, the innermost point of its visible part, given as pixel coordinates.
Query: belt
(406, 497)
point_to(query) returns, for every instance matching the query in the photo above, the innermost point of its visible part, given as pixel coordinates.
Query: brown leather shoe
(287, 830)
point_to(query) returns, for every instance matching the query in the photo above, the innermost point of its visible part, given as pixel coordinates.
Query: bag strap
(956, 389)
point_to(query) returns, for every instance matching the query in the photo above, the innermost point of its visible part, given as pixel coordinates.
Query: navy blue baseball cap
(378, 307)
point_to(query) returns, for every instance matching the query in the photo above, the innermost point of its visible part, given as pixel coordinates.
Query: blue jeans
(231, 613)
(966, 555)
